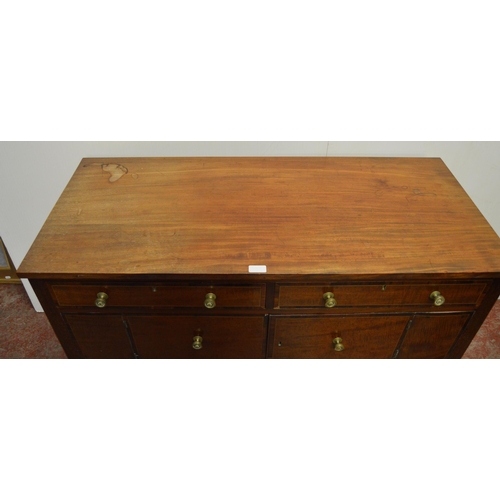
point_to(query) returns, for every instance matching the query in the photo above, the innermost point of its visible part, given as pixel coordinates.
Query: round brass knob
(337, 342)
(101, 299)
(329, 300)
(437, 298)
(197, 340)
(210, 300)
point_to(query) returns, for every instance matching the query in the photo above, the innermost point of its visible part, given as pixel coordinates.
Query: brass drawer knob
(437, 298)
(197, 340)
(337, 342)
(101, 299)
(210, 300)
(329, 299)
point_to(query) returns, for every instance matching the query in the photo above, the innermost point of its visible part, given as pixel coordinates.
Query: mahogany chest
(264, 257)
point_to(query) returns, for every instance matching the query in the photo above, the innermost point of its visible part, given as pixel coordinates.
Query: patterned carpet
(24, 333)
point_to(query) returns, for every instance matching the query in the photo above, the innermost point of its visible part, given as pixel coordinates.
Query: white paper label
(257, 269)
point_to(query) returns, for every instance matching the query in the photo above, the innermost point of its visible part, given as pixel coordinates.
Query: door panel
(100, 336)
(432, 336)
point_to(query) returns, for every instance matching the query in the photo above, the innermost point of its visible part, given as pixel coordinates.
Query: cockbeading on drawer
(383, 294)
(205, 297)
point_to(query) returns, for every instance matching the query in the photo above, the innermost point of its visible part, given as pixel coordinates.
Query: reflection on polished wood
(220, 215)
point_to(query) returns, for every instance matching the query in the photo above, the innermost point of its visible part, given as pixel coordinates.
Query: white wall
(33, 174)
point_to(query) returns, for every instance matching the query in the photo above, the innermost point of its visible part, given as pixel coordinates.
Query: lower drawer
(337, 336)
(198, 336)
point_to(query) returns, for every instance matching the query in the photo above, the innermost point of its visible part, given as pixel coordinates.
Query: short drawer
(382, 294)
(336, 337)
(205, 297)
(198, 336)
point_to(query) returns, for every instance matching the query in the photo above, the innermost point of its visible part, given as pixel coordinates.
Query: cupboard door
(336, 337)
(198, 336)
(100, 336)
(432, 336)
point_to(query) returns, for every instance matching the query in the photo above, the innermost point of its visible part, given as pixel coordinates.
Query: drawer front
(290, 296)
(337, 337)
(198, 336)
(161, 296)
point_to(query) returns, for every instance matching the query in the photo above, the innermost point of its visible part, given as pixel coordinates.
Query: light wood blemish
(116, 170)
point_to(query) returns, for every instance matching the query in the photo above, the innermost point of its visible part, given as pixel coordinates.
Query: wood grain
(100, 337)
(421, 340)
(373, 216)
(160, 296)
(158, 234)
(362, 337)
(376, 295)
(223, 337)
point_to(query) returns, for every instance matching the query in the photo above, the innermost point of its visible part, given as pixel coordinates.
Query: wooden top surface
(300, 215)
